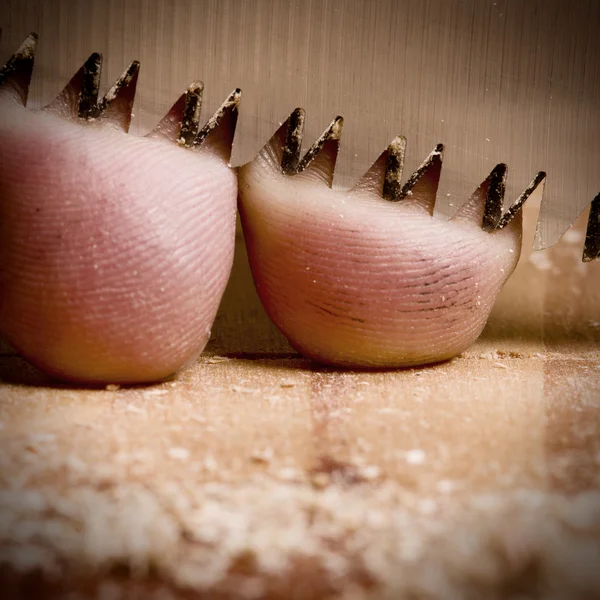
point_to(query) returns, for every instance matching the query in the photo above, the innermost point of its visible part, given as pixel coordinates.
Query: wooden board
(257, 473)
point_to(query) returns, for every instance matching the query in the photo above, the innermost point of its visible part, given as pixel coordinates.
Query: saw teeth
(227, 110)
(80, 96)
(292, 146)
(331, 134)
(393, 190)
(17, 72)
(190, 120)
(88, 79)
(510, 214)
(432, 162)
(291, 163)
(495, 197)
(19, 67)
(190, 133)
(591, 247)
(181, 124)
(394, 166)
(122, 93)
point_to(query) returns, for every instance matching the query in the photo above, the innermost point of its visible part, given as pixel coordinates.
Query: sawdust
(244, 390)
(497, 355)
(541, 261)
(573, 236)
(415, 457)
(287, 384)
(261, 539)
(262, 456)
(179, 453)
(214, 360)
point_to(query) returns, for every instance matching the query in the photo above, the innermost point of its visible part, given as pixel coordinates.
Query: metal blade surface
(514, 81)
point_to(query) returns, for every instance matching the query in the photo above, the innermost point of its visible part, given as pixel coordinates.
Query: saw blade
(495, 81)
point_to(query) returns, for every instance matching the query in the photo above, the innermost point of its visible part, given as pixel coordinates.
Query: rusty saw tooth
(226, 114)
(88, 81)
(80, 96)
(591, 247)
(117, 103)
(190, 119)
(510, 214)
(292, 145)
(432, 163)
(394, 166)
(18, 69)
(331, 134)
(494, 197)
(291, 163)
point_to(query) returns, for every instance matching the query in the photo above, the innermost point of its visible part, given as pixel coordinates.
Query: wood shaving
(151, 393)
(262, 456)
(243, 390)
(287, 384)
(415, 457)
(178, 453)
(215, 360)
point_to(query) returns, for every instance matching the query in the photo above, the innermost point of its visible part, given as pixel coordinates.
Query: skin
(354, 280)
(114, 249)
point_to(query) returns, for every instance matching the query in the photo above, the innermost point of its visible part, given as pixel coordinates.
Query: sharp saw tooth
(19, 67)
(17, 72)
(117, 103)
(510, 214)
(228, 111)
(383, 177)
(292, 146)
(435, 157)
(495, 197)
(292, 164)
(428, 174)
(331, 134)
(190, 120)
(88, 78)
(80, 96)
(182, 123)
(392, 182)
(591, 247)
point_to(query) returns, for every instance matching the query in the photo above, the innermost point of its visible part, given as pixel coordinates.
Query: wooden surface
(257, 473)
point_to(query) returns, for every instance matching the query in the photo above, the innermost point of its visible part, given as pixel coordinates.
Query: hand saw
(498, 81)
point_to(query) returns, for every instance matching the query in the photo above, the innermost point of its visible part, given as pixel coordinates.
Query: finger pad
(115, 250)
(357, 281)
